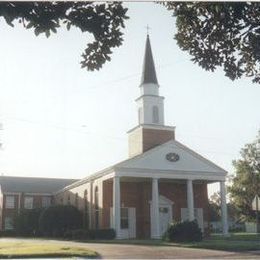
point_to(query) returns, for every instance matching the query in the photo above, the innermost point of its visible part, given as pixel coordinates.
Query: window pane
(124, 223)
(28, 202)
(46, 202)
(163, 210)
(124, 212)
(9, 223)
(9, 202)
(124, 218)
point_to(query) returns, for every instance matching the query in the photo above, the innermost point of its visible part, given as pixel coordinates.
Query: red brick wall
(154, 137)
(37, 203)
(143, 139)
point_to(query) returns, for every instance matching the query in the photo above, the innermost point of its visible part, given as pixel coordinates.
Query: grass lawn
(224, 245)
(235, 242)
(237, 237)
(37, 249)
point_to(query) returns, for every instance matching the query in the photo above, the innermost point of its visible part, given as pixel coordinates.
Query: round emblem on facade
(172, 157)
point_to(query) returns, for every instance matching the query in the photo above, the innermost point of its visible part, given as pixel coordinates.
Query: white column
(190, 200)
(155, 221)
(116, 206)
(223, 208)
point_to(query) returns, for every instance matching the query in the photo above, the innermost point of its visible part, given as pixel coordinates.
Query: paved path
(122, 251)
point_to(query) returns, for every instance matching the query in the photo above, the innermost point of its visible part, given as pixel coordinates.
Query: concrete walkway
(122, 251)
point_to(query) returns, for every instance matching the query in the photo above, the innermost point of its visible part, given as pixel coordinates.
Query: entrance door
(165, 217)
(127, 222)
(165, 214)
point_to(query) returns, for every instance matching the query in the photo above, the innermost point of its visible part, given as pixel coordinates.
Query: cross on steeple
(147, 29)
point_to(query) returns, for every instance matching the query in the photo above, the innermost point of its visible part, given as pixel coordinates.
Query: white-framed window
(124, 218)
(28, 202)
(9, 223)
(9, 202)
(46, 201)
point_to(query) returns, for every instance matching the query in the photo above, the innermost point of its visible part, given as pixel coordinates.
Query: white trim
(169, 175)
(195, 154)
(150, 126)
(11, 193)
(181, 146)
(37, 194)
(219, 175)
(149, 95)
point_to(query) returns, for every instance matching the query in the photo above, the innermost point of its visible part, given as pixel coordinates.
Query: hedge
(187, 231)
(56, 220)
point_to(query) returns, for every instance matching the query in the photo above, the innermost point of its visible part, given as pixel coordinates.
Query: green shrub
(187, 231)
(82, 234)
(8, 233)
(27, 222)
(56, 220)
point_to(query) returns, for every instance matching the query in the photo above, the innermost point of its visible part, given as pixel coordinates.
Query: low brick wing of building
(26, 193)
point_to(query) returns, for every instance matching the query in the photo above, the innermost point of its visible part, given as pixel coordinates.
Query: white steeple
(150, 104)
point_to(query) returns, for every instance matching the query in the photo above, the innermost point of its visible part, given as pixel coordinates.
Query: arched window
(76, 200)
(155, 115)
(68, 199)
(86, 199)
(96, 209)
(86, 211)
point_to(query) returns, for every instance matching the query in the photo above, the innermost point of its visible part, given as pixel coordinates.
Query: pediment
(172, 156)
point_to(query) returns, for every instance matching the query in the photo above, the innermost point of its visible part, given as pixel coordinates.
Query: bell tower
(150, 104)
(150, 130)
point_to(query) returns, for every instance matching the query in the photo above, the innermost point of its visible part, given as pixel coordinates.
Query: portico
(157, 190)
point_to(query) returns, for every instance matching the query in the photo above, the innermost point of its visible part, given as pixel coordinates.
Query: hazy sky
(62, 121)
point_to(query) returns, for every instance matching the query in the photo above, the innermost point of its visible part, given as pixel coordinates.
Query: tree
(220, 34)
(246, 183)
(104, 21)
(27, 222)
(215, 34)
(214, 207)
(56, 220)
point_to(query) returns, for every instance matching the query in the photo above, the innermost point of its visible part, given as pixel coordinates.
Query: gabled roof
(32, 184)
(155, 159)
(149, 73)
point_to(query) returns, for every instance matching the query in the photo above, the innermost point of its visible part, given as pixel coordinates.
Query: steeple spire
(149, 73)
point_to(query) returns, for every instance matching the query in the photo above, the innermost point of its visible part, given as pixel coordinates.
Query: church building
(162, 180)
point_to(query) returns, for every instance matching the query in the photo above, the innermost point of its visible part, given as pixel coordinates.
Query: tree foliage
(246, 183)
(187, 231)
(56, 220)
(27, 222)
(215, 34)
(214, 207)
(104, 21)
(220, 34)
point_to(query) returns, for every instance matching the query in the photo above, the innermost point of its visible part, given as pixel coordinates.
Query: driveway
(122, 251)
